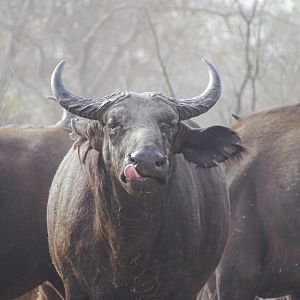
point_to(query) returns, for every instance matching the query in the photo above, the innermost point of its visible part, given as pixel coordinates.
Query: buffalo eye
(113, 125)
(170, 127)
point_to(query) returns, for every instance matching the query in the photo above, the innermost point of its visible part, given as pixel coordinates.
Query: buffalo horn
(83, 107)
(189, 108)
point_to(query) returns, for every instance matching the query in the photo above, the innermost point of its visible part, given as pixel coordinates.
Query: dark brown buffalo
(29, 158)
(262, 256)
(140, 214)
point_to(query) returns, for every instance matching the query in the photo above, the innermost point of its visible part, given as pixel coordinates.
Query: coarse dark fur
(157, 237)
(262, 256)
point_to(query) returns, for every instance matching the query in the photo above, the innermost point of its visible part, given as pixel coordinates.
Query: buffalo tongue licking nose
(131, 173)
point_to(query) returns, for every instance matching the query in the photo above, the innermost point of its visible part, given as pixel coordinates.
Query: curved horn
(83, 107)
(189, 108)
(65, 121)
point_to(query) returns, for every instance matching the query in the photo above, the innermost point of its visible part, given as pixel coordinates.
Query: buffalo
(139, 210)
(262, 255)
(29, 158)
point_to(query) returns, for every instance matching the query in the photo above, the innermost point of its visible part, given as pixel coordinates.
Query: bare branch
(247, 37)
(246, 18)
(89, 40)
(204, 10)
(3, 100)
(241, 11)
(159, 56)
(10, 52)
(120, 48)
(256, 72)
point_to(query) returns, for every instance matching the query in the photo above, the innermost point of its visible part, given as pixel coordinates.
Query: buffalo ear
(87, 134)
(78, 127)
(87, 130)
(209, 146)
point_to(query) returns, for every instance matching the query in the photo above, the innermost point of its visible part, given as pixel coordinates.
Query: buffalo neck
(130, 225)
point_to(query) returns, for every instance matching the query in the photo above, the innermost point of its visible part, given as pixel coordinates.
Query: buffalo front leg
(239, 274)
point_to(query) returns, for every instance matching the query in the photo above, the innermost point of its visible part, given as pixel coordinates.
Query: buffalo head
(139, 134)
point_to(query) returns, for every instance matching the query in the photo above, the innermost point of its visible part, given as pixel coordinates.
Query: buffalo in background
(29, 158)
(262, 254)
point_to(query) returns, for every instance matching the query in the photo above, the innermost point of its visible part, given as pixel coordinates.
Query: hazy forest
(157, 45)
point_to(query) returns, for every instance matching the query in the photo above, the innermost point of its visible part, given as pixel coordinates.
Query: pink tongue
(130, 172)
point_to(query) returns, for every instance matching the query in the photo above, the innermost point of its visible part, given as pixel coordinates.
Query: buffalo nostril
(132, 159)
(161, 162)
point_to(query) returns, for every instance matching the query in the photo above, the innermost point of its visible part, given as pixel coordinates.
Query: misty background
(157, 45)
